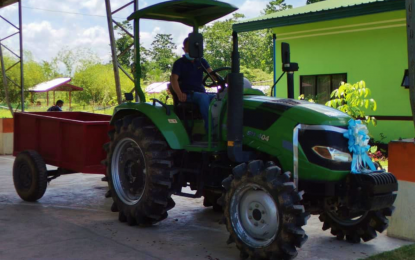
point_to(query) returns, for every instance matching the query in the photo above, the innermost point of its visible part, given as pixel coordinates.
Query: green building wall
(372, 48)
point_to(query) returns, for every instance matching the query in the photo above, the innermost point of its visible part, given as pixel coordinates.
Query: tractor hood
(299, 111)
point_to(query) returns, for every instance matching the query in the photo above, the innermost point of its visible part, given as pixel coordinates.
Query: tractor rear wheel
(30, 175)
(363, 226)
(263, 212)
(139, 171)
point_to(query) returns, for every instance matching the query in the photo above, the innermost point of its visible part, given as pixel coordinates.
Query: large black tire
(30, 176)
(260, 199)
(354, 230)
(147, 173)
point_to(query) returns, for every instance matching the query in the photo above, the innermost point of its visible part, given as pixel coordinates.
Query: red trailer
(71, 141)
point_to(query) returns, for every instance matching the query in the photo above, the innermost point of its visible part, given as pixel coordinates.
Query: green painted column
(410, 20)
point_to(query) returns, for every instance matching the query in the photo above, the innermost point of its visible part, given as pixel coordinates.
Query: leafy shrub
(309, 98)
(380, 145)
(376, 155)
(353, 99)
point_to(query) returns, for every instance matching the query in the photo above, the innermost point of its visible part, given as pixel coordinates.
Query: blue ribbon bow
(358, 146)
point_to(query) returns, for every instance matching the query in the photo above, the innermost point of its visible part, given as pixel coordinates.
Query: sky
(50, 25)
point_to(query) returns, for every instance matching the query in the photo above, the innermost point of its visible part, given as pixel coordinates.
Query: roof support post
(136, 93)
(21, 55)
(113, 51)
(139, 94)
(410, 19)
(274, 46)
(116, 64)
(19, 58)
(6, 87)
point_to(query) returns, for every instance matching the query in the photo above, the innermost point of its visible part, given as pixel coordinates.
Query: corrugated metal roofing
(4, 3)
(59, 84)
(326, 7)
(316, 7)
(157, 87)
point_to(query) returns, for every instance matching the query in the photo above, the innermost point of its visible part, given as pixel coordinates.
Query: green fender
(169, 125)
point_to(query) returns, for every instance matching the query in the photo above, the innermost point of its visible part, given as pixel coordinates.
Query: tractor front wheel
(263, 212)
(362, 226)
(139, 171)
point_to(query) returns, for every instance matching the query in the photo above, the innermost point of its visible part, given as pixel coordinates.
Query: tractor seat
(184, 110)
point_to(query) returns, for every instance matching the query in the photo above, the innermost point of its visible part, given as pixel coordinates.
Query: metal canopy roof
(194, 13)
(59, 84)
(157, 87)
(320, 11)
(4, 3)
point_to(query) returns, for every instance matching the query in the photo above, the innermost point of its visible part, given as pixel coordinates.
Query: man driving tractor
(186, 80)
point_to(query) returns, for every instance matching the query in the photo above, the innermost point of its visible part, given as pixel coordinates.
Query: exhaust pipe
(235, 109)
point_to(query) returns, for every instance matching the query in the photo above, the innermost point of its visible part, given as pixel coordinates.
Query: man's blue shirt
(190, 74)
(54, 109)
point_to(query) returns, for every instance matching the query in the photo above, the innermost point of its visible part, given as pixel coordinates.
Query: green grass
(403, 253)
(5, 113)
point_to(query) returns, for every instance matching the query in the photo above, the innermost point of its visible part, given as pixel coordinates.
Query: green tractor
(268, 162)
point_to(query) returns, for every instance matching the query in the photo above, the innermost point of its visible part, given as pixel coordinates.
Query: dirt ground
(73, 221)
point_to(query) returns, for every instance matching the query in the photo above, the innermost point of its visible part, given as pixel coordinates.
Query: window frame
(315, 81)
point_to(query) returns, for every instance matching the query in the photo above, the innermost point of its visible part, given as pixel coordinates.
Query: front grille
(382, 178)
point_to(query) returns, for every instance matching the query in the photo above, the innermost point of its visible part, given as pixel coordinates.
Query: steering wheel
(219, 80)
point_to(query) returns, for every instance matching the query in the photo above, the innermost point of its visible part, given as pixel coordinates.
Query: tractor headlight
(332, 154)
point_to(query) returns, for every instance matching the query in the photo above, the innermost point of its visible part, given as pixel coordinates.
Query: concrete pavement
(73, 221)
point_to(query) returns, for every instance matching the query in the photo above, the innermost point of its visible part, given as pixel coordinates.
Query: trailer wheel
(30, 175)
(364, 226)
(263, 212)
(140, 171)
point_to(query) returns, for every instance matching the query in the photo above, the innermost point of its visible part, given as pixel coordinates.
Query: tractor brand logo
(172, 121)
(263, 137)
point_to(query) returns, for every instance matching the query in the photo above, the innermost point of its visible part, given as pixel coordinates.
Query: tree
(98, 83)
(276, 6)
(123, 43)
(5, 84)
(50, 69)
(313, 1)
(218, 47)
(256, 76)
(162, 51)
(33, 74)
(69, 58)
(272, 7)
